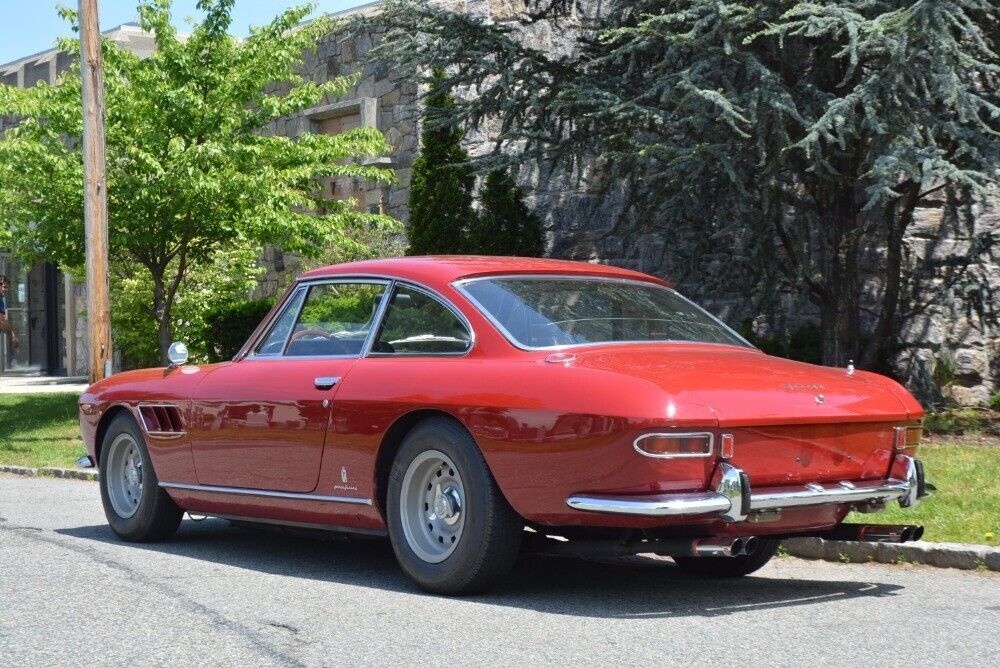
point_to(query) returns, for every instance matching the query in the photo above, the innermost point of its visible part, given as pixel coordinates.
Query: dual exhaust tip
(724, 547)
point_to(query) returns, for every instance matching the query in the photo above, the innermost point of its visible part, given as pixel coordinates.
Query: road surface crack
(251, 635)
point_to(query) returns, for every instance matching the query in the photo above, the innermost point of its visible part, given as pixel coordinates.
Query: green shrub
(227, 327)
(995, 401)
(803, 344)
(505, 226)
(956, 421)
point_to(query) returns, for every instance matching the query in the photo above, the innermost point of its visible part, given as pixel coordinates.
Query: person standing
(5, 325)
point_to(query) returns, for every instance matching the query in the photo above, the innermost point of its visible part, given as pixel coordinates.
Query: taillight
(727, 446)
(675, 446)
(908, 437)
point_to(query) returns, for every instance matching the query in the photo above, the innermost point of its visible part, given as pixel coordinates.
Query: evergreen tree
(788, 143)
(441, 182)
(505, 225)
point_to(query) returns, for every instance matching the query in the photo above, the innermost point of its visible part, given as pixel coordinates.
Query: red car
(468, 405)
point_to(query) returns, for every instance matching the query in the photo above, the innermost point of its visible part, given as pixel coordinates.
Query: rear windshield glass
(539, 312)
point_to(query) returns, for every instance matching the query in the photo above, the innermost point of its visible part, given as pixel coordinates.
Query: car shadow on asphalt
(633, 588)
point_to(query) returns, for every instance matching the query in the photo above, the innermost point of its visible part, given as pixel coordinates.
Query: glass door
(17, 314)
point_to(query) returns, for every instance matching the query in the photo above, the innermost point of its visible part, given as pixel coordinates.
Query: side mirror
(177, 353)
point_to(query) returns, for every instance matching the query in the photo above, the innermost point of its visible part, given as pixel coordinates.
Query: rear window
(543, 311)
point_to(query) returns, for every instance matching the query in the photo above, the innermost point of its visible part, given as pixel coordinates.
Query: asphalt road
(71, 594)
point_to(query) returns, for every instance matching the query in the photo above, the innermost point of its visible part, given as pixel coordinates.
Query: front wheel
(731, 567)
(451, 528)
(137, 509)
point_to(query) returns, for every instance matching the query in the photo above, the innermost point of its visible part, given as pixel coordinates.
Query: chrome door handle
(326, 382)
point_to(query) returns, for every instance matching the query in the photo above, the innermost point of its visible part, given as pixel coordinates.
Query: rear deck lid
(745, 387)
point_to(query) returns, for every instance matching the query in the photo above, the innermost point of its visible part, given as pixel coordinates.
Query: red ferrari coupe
(471, 406)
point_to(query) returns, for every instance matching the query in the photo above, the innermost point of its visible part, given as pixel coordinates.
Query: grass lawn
(42, 430)
(966, 506)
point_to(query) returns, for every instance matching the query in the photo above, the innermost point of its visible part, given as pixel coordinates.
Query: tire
(731, 567)
(137, 508)
(440, 482)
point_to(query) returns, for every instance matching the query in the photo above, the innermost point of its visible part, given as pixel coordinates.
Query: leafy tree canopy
(191, 167)
(788, 141)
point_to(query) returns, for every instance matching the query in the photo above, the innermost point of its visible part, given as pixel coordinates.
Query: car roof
(444, 269)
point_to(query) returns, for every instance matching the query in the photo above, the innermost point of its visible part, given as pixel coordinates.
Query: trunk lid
(745, 387)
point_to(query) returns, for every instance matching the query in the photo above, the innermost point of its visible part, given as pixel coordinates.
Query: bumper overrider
(733, 499)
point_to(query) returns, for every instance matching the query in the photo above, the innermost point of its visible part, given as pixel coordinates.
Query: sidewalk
(31, 384)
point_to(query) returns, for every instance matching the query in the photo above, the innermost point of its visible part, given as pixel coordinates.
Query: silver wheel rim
(124, 475)
(432, 506)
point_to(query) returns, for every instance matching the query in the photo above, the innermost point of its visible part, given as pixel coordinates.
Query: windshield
(543, 311)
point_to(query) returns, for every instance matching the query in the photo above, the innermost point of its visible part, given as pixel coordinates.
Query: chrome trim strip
(729, 495)
(659, 505)
(817, 494)
(693, 434)
(460, 284)
(244, 491)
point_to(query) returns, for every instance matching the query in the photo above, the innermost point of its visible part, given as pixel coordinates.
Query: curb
(50, 471)
(942, 555)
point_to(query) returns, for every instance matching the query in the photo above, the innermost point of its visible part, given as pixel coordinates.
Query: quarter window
(418, 324)
(335, 319)
(275, 340)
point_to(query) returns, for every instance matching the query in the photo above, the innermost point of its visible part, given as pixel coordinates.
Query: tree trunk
(161, 313)
(840, 309)
(898, 219)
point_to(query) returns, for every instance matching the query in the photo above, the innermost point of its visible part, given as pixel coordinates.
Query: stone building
(954, 343)
(47, 307)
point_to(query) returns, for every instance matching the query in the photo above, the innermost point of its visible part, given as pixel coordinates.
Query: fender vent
(161, 420)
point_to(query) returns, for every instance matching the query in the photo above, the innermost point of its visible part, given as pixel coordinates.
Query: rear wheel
(137, 508)
(731, 567)
(450, 527)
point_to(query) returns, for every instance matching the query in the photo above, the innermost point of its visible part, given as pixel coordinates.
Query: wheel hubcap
(124, 475)
(432, 506)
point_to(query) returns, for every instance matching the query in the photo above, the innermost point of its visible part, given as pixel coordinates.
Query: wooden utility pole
(95, 199)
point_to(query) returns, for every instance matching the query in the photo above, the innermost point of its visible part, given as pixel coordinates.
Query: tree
(192, 170)
(441, 182)
(505, 225)
(786, 142)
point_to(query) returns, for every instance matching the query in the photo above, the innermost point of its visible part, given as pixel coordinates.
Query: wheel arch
(393, 439)
(102, 428)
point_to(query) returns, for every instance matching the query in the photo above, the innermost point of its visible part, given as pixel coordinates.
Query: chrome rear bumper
(733, 500)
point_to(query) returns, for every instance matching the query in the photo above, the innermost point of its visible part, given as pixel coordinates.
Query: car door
(261, 421)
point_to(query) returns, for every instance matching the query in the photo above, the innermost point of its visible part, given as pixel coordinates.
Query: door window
(418, 324)
(335, 319)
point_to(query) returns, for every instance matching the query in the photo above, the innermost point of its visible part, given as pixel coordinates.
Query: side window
(275, 339)
(335, 319)
(416, 323)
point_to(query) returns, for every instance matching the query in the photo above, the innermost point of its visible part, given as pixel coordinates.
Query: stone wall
(949, 351)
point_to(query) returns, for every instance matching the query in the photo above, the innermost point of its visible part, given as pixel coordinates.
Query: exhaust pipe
(874, 533)
(717, 547)
(704, 547)
(729, 546)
